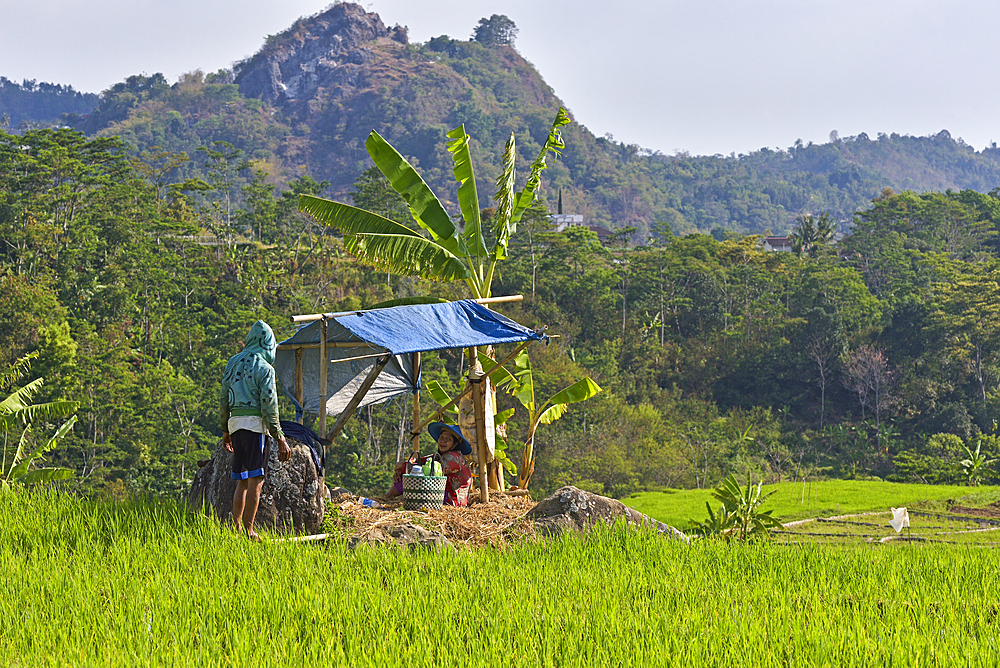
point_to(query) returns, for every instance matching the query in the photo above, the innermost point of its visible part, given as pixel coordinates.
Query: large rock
(293, 496)
(569, 508)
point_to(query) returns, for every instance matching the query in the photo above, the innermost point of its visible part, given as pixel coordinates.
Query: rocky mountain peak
(315, 52)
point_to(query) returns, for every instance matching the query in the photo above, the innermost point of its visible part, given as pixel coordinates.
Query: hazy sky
(703, 76)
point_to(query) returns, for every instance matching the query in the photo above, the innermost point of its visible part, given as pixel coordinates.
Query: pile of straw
(496, 523)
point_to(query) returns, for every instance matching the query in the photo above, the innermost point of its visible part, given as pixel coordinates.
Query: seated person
(452, 447)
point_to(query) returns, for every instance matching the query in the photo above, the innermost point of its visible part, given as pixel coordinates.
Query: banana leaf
(524, 391)
(581, 390)
(17, 410)
(408, 255)
(468, 198)
(439, 394)
(504, 226)
(501, 378)
(554, 143)
(350, 219)
(425, 207)
(22, 464)
(47, 474)
(17, 370)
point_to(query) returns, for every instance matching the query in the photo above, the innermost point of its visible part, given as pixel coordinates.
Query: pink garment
(459, 478)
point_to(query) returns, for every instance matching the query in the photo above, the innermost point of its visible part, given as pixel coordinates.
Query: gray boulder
(293, 497)
(570, 508)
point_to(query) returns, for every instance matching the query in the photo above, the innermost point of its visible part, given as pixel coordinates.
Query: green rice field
(141, 583)
(851, 510)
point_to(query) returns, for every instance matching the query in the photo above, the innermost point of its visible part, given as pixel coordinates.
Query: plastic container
(369, 503)
(416, 469)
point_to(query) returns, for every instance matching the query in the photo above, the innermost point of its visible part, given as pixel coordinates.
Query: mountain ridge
(306, 101)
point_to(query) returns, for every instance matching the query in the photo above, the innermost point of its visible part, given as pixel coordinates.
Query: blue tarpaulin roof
(354, 336)
(411, 329)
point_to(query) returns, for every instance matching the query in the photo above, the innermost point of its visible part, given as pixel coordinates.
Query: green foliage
(520, 383)
(18, 465)
(976, 464)
(447, 254)
(496, 30)
(715, 356)
(740, 517)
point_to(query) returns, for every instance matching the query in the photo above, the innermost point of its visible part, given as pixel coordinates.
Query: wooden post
(415, 447)
(466, 391)
(323, 362)
(480, 410)
(298, 382)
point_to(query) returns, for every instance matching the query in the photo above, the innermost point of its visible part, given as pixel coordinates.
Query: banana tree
(438, 250)
(521, 384)
(17, 414)
(441, 396)
(743, 518)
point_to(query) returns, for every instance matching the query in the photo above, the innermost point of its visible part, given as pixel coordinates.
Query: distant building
(778, 244)
(564, 220)
(603, 235)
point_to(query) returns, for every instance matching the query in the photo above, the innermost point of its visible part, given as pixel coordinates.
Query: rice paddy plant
(147, 583)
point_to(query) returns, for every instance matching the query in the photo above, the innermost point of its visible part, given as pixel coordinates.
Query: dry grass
(496, 523)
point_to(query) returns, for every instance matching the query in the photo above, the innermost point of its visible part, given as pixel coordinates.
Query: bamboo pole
(477, 404)
(330, 344)
(323, 363)
(352, 405)
(487, 300)
(415, 442)
(359, 357)
(298, 382)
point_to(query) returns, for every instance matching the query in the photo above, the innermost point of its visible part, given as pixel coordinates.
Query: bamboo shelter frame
(383, 357)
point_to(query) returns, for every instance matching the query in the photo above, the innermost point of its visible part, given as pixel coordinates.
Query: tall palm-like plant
(521, 384)
(17, 414)
(441, 251)
(811, 233)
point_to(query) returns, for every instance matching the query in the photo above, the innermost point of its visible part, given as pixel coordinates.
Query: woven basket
(423, 492)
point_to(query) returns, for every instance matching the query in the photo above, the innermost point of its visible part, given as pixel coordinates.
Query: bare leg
(239, 498)
(253, 499)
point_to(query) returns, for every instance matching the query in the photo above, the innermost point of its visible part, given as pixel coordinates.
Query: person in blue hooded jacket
(248, 412)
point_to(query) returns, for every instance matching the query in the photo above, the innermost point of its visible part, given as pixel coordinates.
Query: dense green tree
(968, 316)
(497, 29)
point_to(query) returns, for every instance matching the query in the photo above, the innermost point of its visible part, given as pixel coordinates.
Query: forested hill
(30, 103)
(304, 104)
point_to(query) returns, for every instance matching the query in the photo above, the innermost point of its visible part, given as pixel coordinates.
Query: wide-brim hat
(434, 429)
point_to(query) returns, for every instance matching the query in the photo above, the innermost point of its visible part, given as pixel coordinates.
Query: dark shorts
(249, 454)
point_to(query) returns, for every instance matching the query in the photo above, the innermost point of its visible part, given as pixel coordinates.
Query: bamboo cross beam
(358, 396)
(329, 344)
(359, 357)
(486, 300)
(438, 412)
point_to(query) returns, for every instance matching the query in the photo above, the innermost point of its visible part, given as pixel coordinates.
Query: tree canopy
(497, 29)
